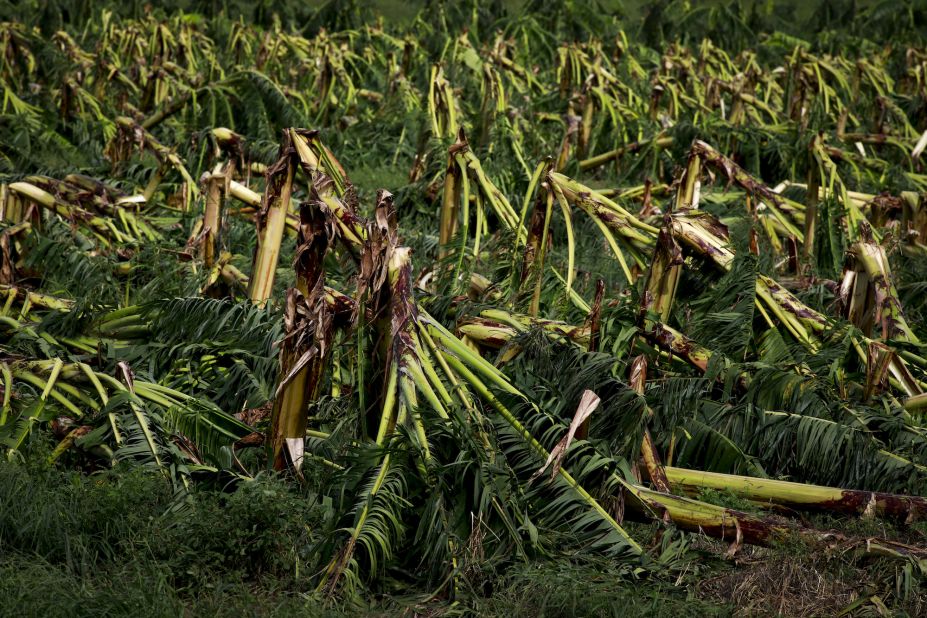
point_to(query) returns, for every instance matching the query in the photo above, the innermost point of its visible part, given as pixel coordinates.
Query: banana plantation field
(486, 308)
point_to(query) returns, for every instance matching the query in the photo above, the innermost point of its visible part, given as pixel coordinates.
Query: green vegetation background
(800, 18)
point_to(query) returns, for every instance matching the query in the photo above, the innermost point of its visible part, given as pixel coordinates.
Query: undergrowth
(119, 543)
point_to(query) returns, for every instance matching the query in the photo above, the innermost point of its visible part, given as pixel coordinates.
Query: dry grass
(804, 581)
(764, 584)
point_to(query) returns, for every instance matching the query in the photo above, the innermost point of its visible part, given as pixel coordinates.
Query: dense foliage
(479, 286)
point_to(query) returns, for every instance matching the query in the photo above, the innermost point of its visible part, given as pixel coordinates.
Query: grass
(566, 589)
(113, 542)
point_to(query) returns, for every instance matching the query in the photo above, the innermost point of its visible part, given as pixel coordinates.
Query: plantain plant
(649, 272)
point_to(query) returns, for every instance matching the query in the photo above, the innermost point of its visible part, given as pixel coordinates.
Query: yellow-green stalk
(271, 222)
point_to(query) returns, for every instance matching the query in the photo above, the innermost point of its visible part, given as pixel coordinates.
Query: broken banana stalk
(737, 527)
(802, 496)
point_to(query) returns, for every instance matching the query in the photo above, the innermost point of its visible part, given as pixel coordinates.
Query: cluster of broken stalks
(417, 381)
